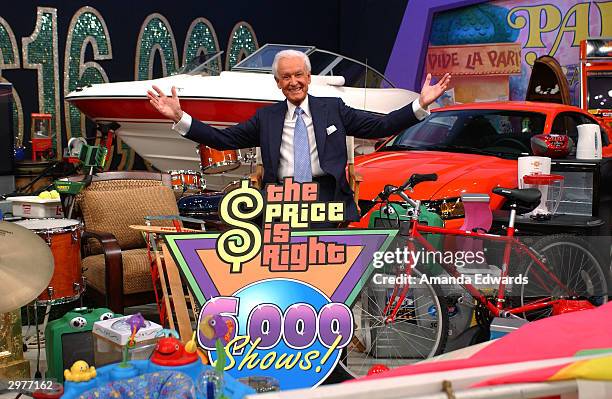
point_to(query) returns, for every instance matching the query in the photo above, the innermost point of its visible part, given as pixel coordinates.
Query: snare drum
(183, 180)
(217, 161)
(176, 180)
(64, 238)
(192, 180)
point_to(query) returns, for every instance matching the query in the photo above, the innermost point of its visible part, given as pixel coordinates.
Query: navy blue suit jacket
(266, 127)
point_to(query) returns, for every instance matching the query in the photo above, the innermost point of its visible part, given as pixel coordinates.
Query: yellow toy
(191, 346)
(80, 372)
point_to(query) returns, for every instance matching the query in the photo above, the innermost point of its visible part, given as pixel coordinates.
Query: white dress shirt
(285, 167)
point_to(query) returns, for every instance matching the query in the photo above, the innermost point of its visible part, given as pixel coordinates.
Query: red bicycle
(403, 316)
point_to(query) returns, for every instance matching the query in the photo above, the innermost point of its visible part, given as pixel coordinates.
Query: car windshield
(492, 132)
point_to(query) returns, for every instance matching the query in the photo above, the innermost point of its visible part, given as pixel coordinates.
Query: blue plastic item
(112, 372)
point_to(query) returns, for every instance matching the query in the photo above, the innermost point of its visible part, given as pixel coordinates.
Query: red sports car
(472, 147)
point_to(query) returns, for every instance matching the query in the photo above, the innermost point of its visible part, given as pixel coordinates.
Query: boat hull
(173, 151)
(220, 101)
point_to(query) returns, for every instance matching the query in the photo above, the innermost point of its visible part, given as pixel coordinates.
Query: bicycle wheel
(575, 263)
(419, 331)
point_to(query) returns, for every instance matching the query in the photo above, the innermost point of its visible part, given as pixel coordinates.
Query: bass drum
(64, 238)
(201, 206)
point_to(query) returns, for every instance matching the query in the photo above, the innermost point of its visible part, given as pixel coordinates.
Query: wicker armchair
(115, 259)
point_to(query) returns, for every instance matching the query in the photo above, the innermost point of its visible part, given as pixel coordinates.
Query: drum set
(204, 205)
(40, 272)
(63, 236)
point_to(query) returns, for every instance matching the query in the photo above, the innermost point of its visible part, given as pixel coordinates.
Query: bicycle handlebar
(418, 178)
(410, 183)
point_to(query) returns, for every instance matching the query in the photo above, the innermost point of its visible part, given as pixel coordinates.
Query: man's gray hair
(289, 54)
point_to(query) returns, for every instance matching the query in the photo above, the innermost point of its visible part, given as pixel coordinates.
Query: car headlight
(447, 208)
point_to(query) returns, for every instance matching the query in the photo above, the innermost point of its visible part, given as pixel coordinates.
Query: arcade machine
(596, 78)
(596, 98)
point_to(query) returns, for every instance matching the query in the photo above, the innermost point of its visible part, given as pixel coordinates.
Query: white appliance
(589, 142)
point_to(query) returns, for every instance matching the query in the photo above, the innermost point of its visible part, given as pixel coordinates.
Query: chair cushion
(114, 211)
(136, 271)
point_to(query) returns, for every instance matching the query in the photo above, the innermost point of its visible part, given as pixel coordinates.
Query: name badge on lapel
(331, 129)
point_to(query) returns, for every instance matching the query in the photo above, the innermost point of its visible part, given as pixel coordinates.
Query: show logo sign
(286, 287)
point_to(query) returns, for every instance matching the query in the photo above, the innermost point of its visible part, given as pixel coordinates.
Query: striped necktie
(302, 170)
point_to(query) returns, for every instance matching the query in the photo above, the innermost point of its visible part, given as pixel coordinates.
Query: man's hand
(169, 107)
(429, 94)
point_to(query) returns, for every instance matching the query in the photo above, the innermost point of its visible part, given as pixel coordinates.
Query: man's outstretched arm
(242, 135)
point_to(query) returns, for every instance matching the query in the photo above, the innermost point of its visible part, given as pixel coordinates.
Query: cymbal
(26, 266)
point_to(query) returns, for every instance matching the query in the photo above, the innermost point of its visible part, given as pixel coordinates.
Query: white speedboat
(226, 99)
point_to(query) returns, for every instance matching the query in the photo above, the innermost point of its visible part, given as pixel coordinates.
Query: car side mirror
(379, 144)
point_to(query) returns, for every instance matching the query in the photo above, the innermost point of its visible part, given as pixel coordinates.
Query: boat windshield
(324, 63)
(202, 64)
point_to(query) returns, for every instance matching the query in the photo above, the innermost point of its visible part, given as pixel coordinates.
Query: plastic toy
(132, 333)
(377, 369)
(80, 371)
(213, 327)
(171, 352)
(136, 322)
(170, 355)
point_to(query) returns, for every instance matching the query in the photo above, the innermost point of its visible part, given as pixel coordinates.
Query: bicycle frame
(497, 309)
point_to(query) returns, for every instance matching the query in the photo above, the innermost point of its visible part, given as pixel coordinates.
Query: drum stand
(40, 332)
(255, 169)
(37, 340)
(38, 346)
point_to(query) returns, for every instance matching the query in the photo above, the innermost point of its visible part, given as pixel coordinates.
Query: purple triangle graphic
(370, 241)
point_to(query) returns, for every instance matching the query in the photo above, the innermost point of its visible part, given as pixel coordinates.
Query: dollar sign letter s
(240, 245)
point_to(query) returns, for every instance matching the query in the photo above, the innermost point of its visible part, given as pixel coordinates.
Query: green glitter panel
(6, 46)
(156, 34)
(243, 43)
(40, 52)
(88, 28)
(202, 38)
(10, 60)
(17, 119)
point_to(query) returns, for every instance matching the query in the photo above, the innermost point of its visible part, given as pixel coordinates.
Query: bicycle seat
(525, 199)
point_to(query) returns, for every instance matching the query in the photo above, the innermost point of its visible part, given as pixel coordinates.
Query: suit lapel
(319, 118)
(277, 122)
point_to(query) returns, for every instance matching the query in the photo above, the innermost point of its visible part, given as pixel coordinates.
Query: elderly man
(305, 136)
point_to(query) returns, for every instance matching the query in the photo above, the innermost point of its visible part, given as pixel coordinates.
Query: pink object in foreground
(554, 337)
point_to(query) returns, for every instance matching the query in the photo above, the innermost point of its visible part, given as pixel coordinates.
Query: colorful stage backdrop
(490, 46)
(48, 49)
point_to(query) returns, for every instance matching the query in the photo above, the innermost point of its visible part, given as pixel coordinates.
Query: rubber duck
(80, 371)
